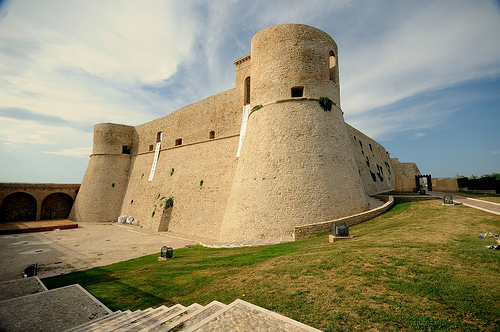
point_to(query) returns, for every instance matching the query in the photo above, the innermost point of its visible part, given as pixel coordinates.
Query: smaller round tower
(296, 165)
(101, 193)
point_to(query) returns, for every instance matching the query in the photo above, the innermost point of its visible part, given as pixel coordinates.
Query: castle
(255, 161)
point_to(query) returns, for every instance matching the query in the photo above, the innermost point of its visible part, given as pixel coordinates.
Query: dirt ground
(90, 245)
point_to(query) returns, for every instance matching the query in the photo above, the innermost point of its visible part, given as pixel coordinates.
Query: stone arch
(56, 206)
(18, 206)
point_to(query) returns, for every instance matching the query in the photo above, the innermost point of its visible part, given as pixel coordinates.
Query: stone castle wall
(374, 163)
(299, 164)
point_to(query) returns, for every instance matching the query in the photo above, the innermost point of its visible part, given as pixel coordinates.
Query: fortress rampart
(254, 161)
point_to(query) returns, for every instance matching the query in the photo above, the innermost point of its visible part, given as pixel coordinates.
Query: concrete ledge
(306, 231)
(54, 310)
(21, 287)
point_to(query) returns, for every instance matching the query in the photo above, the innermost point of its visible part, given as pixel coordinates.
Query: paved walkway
(90, 245)
(472, 202)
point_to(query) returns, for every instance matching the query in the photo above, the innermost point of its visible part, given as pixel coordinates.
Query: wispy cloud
(433, 45)
(83, 152)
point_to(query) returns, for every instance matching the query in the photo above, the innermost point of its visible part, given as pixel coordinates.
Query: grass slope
(420, 266)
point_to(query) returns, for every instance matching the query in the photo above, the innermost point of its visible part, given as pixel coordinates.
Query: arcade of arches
(27, 202)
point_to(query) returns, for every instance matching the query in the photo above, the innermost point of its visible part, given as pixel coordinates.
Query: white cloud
(434, 45)
(83, 152)
(84, 61)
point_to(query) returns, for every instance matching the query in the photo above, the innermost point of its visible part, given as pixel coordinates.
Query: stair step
(96, 326)
(191, 319)
(245, 316)
(86, 326)
(133, 318)
(374, 202)
(36, 312)
(116, 323)
(166, 323)
(146, 319)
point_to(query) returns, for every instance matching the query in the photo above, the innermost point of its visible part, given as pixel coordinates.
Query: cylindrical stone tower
(296, 165)
(101, 194)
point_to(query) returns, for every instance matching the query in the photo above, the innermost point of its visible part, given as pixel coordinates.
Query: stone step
(53, 310)
(243, 316)
(170, 321)
(95, 326)
(191, 319)
(374, 202)
(86, 326)
(131, 319)
(148, 319)
(113, 324)
(20, 287)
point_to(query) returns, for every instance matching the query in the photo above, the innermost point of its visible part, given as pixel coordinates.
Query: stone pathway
(72, 308)
(471, 202)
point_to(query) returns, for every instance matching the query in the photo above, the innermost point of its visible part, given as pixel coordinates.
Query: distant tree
(492, 175)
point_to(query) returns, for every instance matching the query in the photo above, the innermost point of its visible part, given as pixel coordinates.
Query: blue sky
(420, 77)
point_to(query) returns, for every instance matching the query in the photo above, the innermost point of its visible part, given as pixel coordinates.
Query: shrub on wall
(325, 103)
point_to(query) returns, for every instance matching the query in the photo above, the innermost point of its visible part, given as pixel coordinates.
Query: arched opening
(332, 65)
(247, 90)
(18, 207)
(56, 206)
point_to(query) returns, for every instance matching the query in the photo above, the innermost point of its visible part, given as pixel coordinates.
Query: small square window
(151, 147)
(178, 141)
(297, 91)
(211, 135)
(126, 149)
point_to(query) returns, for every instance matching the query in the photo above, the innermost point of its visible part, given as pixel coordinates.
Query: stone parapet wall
(307, 231)
(445, 184)
(404, 185)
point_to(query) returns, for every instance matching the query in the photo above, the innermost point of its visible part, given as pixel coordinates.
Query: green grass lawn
(418, 267)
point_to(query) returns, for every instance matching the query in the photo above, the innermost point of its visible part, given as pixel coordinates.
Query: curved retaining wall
(306, 231)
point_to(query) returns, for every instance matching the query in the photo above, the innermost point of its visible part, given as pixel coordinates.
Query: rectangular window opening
(178, 141)
(297, 92)
(126, 149)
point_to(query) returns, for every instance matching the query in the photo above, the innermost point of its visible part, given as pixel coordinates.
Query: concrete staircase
(373, 202)
(27, 305)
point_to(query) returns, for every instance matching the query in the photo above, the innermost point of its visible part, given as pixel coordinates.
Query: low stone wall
(404, 185)
(445, 184)
(306, 231)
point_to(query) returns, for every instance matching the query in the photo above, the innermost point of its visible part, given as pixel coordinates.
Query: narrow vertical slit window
(247, 90)
(332, 65)
(159, 137)
(211, 135)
